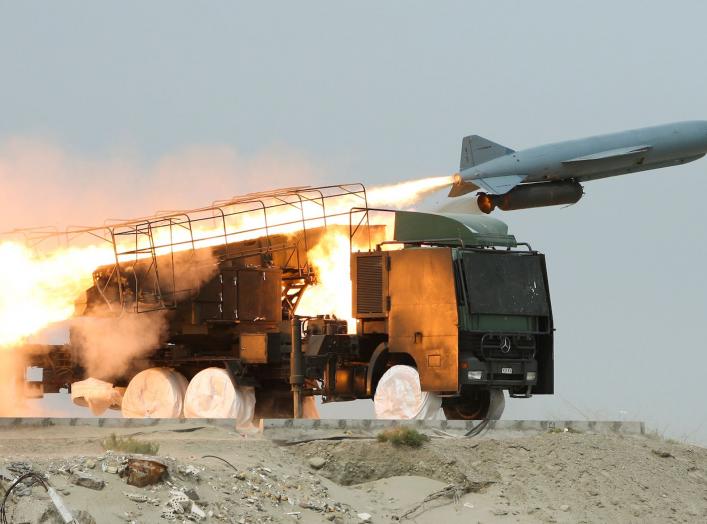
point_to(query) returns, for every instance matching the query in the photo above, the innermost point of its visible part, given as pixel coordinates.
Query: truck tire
(399, 396)
(212, 394)
(155, 393)
(476, 405)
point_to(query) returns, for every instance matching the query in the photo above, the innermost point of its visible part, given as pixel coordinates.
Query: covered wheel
(475, 405)
(155, 393)
(212, 394)
(400, 396)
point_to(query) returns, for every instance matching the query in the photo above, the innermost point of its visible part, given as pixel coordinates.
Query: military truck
(454, 296)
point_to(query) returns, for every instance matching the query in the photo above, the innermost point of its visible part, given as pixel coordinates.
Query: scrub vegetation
(129, 445)
(403, 437)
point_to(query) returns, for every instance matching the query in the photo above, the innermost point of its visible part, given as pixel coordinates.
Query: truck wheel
(477, 405)
(211, 394)
(400, 396)
(155, 393)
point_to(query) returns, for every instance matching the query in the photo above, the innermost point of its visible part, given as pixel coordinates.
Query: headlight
(475, 375)
(531, 375)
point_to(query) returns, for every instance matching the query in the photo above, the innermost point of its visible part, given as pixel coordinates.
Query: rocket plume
(406, 194)
(38, 289)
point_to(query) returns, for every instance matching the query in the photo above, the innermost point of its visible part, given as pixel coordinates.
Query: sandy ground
(553, 477)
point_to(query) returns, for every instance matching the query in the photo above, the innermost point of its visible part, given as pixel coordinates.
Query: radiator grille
(369, 285)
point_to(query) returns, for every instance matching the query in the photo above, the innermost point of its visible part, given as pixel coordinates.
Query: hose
(31, 475)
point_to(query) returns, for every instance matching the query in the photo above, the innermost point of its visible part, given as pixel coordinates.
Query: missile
(553, 174)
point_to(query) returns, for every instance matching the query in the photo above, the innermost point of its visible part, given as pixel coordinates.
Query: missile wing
(613, 154)
(477, 150)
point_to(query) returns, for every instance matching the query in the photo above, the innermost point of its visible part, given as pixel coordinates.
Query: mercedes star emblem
(505, 345)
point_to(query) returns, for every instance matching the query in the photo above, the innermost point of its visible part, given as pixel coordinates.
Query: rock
(144, 472)
(87, 481)
(109, 467)
(317, 462)
(90, 464)
(178, 501)
(192, 493)
(50, 516)
(197, 513)
(565, 507)
(189, 471)
(135, 497)
(662, 453)
(22, 490)
(364, 517)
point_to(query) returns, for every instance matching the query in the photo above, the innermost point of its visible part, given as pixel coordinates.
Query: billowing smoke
(45, 186)
(110, 339)
(11, 395)
(108, 344)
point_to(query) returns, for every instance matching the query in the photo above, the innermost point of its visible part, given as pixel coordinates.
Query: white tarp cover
(309, 408)
(95, 394)
(211, 394)
(155, 393)
(399, 396)
(497, 404)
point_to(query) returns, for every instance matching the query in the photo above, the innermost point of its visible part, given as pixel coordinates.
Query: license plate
(507, 371)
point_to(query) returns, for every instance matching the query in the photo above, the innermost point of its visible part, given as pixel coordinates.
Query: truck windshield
(505, 283)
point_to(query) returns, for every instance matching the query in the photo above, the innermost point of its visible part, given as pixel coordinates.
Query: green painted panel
(472, 230)
(502, 323)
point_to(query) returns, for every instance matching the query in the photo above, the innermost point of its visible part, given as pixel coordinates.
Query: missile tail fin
(477, 150)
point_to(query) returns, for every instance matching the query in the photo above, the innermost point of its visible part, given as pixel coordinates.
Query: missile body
(551, 174)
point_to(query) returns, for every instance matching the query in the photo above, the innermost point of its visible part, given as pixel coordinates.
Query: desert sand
(547, 477)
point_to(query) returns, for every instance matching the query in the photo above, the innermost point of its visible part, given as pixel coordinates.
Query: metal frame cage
(170, 234)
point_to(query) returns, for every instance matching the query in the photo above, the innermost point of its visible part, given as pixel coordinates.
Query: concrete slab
(292, 430)
(304, 429)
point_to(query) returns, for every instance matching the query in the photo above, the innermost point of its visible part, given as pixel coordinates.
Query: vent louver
(369, 285)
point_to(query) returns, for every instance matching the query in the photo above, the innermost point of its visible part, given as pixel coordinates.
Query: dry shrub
(129, 445)
(403, 437)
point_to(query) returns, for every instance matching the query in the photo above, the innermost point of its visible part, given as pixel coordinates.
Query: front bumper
(497, 372)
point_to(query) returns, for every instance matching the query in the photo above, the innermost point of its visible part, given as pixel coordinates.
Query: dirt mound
(357, 461)
(550, 477)
(565, 477)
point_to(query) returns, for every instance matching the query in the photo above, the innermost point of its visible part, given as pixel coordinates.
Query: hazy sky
(380, 92)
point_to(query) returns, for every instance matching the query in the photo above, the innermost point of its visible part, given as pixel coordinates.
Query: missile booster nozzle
(527, 196)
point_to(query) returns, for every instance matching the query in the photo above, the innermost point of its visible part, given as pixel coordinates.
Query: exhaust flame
(331, 258)
(406, 194)
(332, 294)
(37, 290)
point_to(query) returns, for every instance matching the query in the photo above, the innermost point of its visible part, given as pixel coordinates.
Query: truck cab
(462, 302)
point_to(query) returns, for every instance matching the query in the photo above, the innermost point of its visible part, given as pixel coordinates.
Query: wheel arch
(380, 361)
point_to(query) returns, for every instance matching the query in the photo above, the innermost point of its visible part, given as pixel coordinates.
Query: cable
(206, 456)
(31, 475)
(476, 430)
